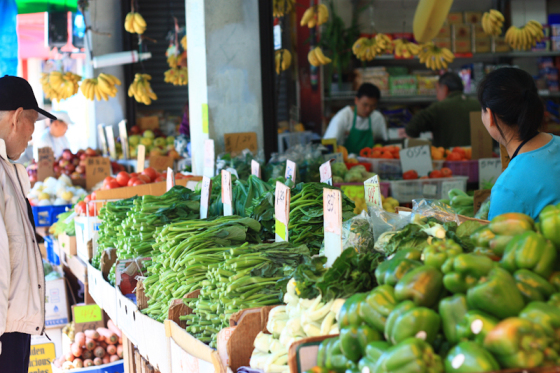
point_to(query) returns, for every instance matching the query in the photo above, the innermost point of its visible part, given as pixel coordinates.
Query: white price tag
(111, 141)
(170, 178)
(332, 220)
(325, 172)
(141, 160)
(417, 158)
(282, 211)
(209, 158)
(226, 193)
(255, 169)
(372, 192)
(291, 170)
(446, 186)
(205, 193)
(277, 35)
(489, 170)
(103, 140)
(429, 191)
(124, 139)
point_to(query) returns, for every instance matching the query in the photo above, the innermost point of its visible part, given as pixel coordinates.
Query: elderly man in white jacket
(22, 282)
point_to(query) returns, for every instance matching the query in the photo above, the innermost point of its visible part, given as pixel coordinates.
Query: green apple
(149, 134)
(134, 140)
(160, 141)
(170, 140)
(146, 141)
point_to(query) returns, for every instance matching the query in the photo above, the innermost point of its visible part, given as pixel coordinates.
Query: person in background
(449, 118)
(359, 126)
(22, 281)
(54, 136)
(513, 112)
(184, 128)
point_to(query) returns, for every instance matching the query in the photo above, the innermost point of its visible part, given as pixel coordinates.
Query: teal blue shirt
(530, 182)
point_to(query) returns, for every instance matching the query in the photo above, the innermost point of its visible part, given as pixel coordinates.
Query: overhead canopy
(37, 6)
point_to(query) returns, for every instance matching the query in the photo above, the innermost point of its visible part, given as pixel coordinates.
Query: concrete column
(224, 71)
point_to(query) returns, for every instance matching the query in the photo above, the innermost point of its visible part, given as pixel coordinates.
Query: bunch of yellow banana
(177, 76)
(364, 49)
(100, 88)
(315, 16)
(525, 37)
(282, 60)
(405, 49)
(173, 61)
(184, 42)
(317, 58)
(492, 22)
(282, 7)
(134, 23)
(59, 86)
(141, 89)
(434, 57)
(383, 44)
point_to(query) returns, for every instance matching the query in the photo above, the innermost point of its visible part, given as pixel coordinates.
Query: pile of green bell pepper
(493, 238)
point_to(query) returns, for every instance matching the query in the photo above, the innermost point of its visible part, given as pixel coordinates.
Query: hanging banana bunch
(282, 60)
(434, 57)
(365, 49)
(317, 58)
(100, 88)
(492, 22)
(177, 76)
(141, 89)
(383, 44)
(282, 7)
(405, 49)
(135, 23)
(526, 37)
(315, 16)
(59, 86)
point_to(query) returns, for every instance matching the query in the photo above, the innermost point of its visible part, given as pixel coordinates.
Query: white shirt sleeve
(379, 128)
(338, 127)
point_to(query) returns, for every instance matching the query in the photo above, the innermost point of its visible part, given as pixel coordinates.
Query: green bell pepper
(354, 340)
(464, 271)
(469, 357)
(532, 286)
(423, 285)
(495, 248)
(349, 315)
(332, 349)
(554, 299)
(377, 306)
(530, 251)
(391, 271)
(475, 325)
(549, 220)
(517, 343)
(439, 251)
(374, 350)
(547, 316)
(496, 294)
(323, 351)
(341, 364)
(412, 355)
(452, 311)
(407, 320)
(511, 224)
(555, 280)
(482, 236)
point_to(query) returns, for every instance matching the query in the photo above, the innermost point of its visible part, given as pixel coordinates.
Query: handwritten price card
(326, 172)
(111, 141)
(282, 211)
(208, 158)
(291, 171)
(226, 193)
(489, 170)
(102, 140)
(161, 162)
(237, 142)
(170, 178)
(87, 317)
(332, 220)
(124, 139)
(141, 158)
(255, 169)
(417, 158)
(372, 192)
(45, 163)
(205, 196)
(97, 169)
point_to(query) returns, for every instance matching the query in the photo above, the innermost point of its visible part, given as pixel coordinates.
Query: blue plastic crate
(45, 216)
(52, 257)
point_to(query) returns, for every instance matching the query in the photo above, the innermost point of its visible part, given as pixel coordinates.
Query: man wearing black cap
(22, 282)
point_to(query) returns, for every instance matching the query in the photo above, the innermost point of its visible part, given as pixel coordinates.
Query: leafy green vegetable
(62, 226)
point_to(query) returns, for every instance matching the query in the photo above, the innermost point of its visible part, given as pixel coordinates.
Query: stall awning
(37, 6)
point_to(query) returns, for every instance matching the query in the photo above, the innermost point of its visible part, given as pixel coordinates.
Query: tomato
(446, 172)
(92, 209)
(138, 182)
(410, 175)
(107, 180)
(396, 155)
(150, 172)
(87, 199)
(122, 178)
(459, 150)
(132, 180)
(423, 177)
(113, 184)
(93, 196)
(376, 154)
(144, 178)
(386, 155)
(134, 174)
(435, 174)
(454, 156)
(80, 208)
(160, 179)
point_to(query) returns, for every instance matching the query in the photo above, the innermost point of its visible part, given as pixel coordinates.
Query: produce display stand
(406, 190)
(302, 354)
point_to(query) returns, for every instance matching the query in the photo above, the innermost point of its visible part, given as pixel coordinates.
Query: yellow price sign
(281, 230)
(40, 358)
(90, 313)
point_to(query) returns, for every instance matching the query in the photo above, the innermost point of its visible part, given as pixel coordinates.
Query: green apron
(359, 139)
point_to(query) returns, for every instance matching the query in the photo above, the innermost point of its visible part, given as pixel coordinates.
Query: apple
(67, 172)
(160, 142)
(135, 130)
(83, 156)
(67, 154)
(57, 169)
(134, 140)
(82, 163)
(80, 169)
(75, 176)
(90, 152)
(170, 140)
(148, 134)
(80, 152)
(146, 141)
(70, 167)
(63, 163)
(75, 161)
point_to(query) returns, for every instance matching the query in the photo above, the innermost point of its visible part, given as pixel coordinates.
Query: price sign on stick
(45, 163)
(97, 169)
(205, 196)
(372, 192)
(124, 139)
(170, 178)
(102, 140)
(417, 158)
(141, 160)
(489, 170)
(332, 220)
(226, 193)
(291, 170)
(208, 158)
(111, 141)
(255, 169)
(326, 172)
(282, 211)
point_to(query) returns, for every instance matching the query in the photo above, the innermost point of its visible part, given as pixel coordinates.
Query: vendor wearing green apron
(359, 126)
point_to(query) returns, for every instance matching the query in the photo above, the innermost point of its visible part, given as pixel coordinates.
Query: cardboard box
(462, 46)
(444, 32)
(87, 316)
(443, 43)
(482, 45)
(78, 268)
(56, 303)
(87, 232)
(109, 299)
(499, 45)
(44, 350)
(478, 32)
(154, 189)
(67, 244)
(95, 285)
(461, 31)
(473, 17)
(151, 334)
(455, 18)
(127, 317)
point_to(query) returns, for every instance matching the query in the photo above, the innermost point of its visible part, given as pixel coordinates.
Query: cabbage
(339, 169)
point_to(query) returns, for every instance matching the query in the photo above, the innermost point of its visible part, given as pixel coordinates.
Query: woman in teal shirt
(513, 112)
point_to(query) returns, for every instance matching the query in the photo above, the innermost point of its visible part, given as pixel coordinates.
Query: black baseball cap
(16, 92)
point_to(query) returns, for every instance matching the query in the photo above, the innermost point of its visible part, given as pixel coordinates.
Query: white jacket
(22, 281)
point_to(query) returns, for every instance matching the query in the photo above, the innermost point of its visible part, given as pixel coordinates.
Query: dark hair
(452, 81)
(369, 90)
(512, 96)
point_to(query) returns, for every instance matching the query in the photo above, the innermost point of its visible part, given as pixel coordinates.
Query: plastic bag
(484, 209)
(383, 221)
(434, 208)
(357, 233)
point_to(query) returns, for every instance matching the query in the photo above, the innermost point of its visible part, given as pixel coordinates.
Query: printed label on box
(40, 358)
